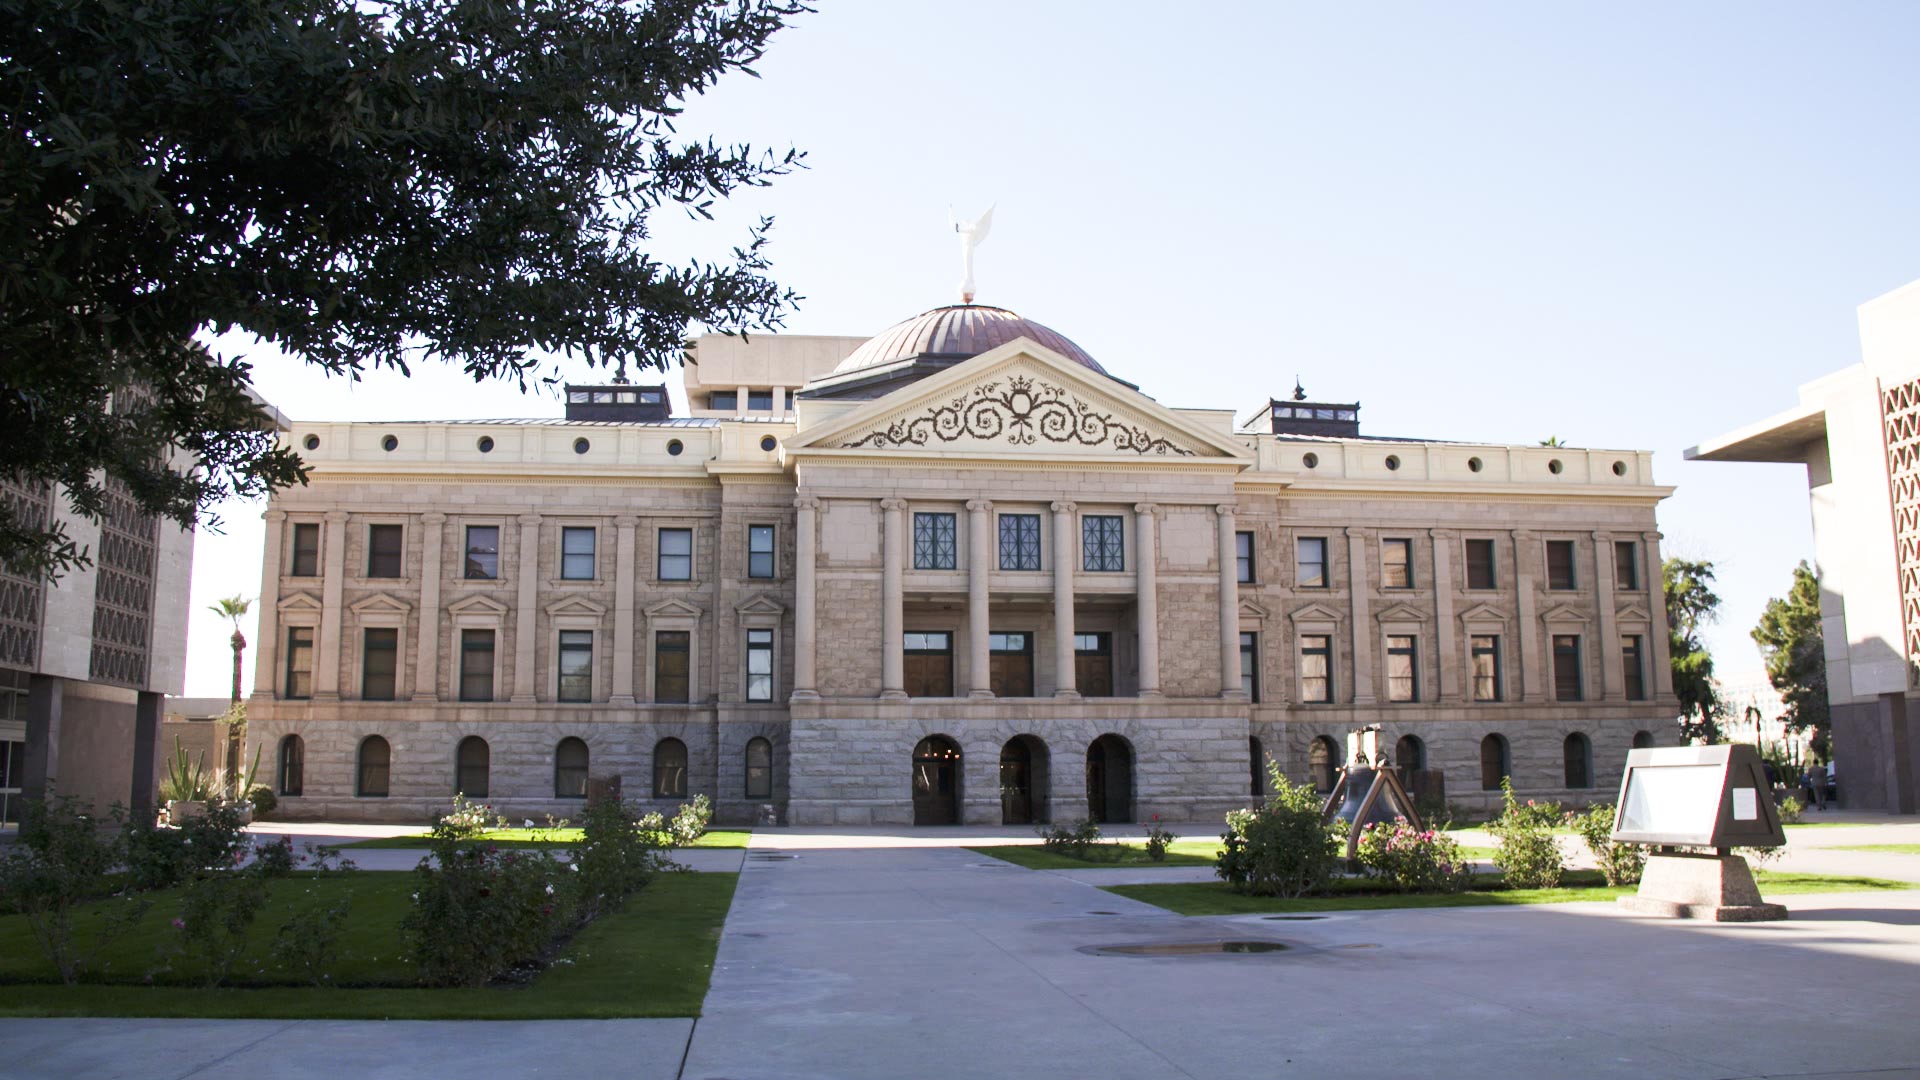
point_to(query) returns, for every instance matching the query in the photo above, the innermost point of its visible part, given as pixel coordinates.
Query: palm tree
(1552, 440)
(234, 607)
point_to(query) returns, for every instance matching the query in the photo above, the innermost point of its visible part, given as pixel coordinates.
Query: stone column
(806, 511)
(1357, 561)
(1531, 660)
(893, 679)
(525, 622)
(624, 552)
(980, 548)
(1229, 605)
(740, 402)
(1445, 642)
(148, 709)
(426, 664)
(46, 701)
(266, 636)
(326, 667)
(1147, 597)
(1064, 563)
(1612, 682)
(1661, 677)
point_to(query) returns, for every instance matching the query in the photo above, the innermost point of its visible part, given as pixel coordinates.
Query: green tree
(1790, 641)
(1691, 604)
(364, 184)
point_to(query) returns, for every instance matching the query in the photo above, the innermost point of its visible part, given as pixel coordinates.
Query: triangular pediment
(380, 604)
(1314, 613)
(1633, 613)
(671, 609)
(1021, 399)
(477, 604)
(299, 601)
(576, 605)
(1563, 613)
(1483, 613)
(761, 604)
(1251, 610)
(1400, 613)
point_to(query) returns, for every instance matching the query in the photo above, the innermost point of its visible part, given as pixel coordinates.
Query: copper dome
(959, 331)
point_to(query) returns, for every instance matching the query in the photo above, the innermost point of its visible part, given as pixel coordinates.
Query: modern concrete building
(954, 572)
(1857, 431)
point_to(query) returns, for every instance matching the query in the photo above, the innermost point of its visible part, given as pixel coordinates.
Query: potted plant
(186, 786)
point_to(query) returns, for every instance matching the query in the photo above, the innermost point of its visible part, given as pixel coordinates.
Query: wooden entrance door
(1016, 783)
(1110, 780)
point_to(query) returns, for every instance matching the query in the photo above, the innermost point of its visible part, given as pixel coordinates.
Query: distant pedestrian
(1815, 782)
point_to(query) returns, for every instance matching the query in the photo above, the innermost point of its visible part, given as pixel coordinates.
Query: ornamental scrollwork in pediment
(1025, 411)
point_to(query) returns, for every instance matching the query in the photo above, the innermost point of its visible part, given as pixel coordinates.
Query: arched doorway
(1409, 756)
(1323, 757)
(936, 781)
(1023, 781)
(1110, 780)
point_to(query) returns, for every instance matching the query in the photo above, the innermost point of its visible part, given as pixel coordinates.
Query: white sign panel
(1746, 804)
(1681, 799)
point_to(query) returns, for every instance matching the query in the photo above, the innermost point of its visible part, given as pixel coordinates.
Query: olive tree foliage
(363, 184)
(1691, 604)
(1794, 649)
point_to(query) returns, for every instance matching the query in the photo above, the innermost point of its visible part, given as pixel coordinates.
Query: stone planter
(184, 810)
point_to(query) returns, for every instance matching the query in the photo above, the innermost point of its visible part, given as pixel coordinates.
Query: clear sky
(1628, 225)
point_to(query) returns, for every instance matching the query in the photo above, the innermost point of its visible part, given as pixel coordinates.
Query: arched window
(376, 760)
(759, 768)
(471, 767)
(1409, 757)
(1495, 762)
(1322, 759)
(1258, 776)
(1578, 752)
(1642, 740)
(570, 769)
(293, 761)
(670, 769)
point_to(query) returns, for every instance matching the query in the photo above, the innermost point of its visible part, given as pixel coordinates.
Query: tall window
(1626, 565)
(1316, 668)
(379, 660)
(759, 665)
(1396, 564)
(1577, 753)
(1310, 563)
(1566, 668)
(1250, 664)
(476, 665)
(759, 768)
(306, 551)
(570, 769)
(1243, 557)
(676, 554)
(370, 773)
(933, 543)
(671, 664)
(1480, 565)
(472, 763)
(1019, 541)
(383, 550)
(1496, 764)
(299, 662)
(1093, 664)
(670, 769)
(577, 553)
(1102, 544)
(1323, 762)
(293, 764)
(483, 552)
(1486, 667)
(760, 400)
(1632, 668)
(1011, 669)
(576, 665)
(1560, 566)
(759, 551)
(929, 664)
(1403, 668)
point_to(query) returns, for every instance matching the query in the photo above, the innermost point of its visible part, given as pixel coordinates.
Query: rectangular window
(1093, 664)
(576, 665)
(379, 660)
(383, 550)
(483, 552)
(306, 551)
(725, 400)
(1316, 668)
(760, 400)
(1310, 563)
(933, 544)
(1626, 565)
(476, 665)
(576, 553)
(1566, 668)
(1011, 664)
(1396, 564)
(1243, 557)
(1480, 565)
(1250, 664)
(929, 664)
(1403, 668)
(1632, 668)
(676, 554)
(1102, 544)
(672, 651)
(759, 665)
(1560, 566)
(1019, 541)
(1486, 667)
(299, 662)
(759, 551)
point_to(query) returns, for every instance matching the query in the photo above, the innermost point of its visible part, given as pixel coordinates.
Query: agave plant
(187, 779)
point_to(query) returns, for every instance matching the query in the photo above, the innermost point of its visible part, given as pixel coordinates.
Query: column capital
(893, 505)
(1355, 532)
(1523, 534)
(335, 517)
(274, 517)
(1443, 534)
(980, 506)
(1226, 509)
(434, 518)
(806, 502)
(627, 521)
(1064, 507)
(1652, 536)
(528, 519)
(1602, 536)
(1146, 509)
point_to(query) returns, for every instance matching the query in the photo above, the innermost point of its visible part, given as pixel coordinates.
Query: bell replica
(1367, 790)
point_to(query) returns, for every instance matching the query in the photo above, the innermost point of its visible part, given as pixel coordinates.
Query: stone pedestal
(1715, 887)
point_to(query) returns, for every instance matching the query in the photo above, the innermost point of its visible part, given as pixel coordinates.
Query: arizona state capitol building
(954, 573)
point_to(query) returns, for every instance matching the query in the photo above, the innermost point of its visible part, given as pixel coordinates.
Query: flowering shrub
(466, 821)
(217, 909)
(308, 942)
(1413, 860)
(478, 912)
(616, 857)
(160, 858)
(1079, 840)
(1528, 854)
(1158, 838)
(58, 865)
(1282, 848)
(277, 858)
(690, 821)
(1620, 862)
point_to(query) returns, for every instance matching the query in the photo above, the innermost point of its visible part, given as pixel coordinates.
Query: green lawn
(555, 839)
(1891, 849)
(1830, 825)
(653, 958)
(1214, 898)
(1035, 857)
